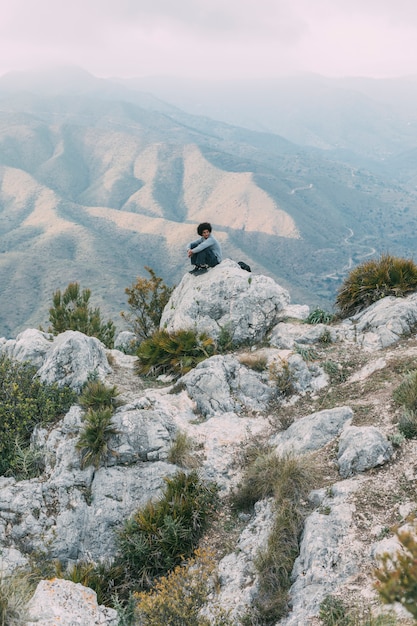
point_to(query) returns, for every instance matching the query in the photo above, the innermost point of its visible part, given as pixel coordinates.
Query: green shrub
(147, 299)
(15, 593)
(28, 461)
(225, 341)
(283, 378)
(406, 393)
(373, 280)
(407, 424)
(307, 354)
(274, 563)
(333, 612)
(71, 311)
(159, 536)
(93, 441)
(26, 402)
(176, 600)
(175, 353)
(181, 451)
(96, 395)
(288, 480)
(106, 578)
(319, 316)
(397, 574)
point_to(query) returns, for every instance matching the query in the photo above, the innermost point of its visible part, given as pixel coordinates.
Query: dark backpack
(244, 266)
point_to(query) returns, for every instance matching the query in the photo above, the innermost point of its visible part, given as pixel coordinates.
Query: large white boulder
(68, 604)
(247, 305)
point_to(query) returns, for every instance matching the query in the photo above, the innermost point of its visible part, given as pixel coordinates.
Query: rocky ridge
(341, 412)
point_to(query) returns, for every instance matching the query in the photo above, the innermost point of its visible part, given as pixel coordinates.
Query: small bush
(225, 341)
(288, 480)
(96, 395)
(106, 578)
(397, 575)
(325, 337)
(407, 424)
(177, 599)
(175, 353)
(333, 612)
(307, 354)
(15, 593)
(71, 311)
(159, 536)
(26, 402)
(406, 393)
(319, 316)
(28, 461)
(181, 452)
(268, 475)
(335, 371)
(147, 299)
(376, 279)
(283, 378)
(93, 442)
(275, 562)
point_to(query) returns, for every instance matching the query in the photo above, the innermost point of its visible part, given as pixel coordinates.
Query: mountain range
(301, 178)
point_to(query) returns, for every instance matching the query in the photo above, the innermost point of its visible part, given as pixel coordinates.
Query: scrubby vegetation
(25, 402)
(287, 480)
(71, 311)
(406, 396)
(93, 441)
(177, 599)
(182, 451)
(397, 575)
(173, 353)
(334, 612)
(373, 280)
(159, 536)
(96, 395)
(147, 299)
(15, 593)
(319, 316)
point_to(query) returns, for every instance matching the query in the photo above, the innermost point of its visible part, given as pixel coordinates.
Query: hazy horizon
(212, 40)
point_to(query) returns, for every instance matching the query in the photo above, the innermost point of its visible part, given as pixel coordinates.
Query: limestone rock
(68, 604)
(286, 334)
(328, 554)
(221, 384)
(125, 341)
(361, 449)
(31, 345)
(383, 323)
(73, 358)
(312, 432)
(247, 305)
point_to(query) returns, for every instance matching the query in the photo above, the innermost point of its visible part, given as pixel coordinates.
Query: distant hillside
(98, 180)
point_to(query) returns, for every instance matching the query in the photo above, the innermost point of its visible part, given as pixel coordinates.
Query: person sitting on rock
(204, 252)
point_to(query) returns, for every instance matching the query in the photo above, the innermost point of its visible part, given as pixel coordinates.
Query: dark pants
(205, 257)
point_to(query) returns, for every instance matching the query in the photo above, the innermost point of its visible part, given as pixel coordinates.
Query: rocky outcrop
(361, 449)
(67, 359)
(226, 297)
(68, 604)
(312, 432)
(222, 405)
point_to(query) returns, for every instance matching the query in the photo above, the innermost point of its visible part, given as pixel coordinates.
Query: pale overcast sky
(211, 38)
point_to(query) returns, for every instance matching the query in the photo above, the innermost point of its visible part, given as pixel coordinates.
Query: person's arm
(203, 245)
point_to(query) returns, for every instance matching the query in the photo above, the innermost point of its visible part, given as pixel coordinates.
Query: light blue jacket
(203, 244)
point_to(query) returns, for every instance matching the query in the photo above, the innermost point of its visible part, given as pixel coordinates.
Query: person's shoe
(195, 270)
(200, 270)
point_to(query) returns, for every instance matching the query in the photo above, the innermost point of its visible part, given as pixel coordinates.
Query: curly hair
(203, 226)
